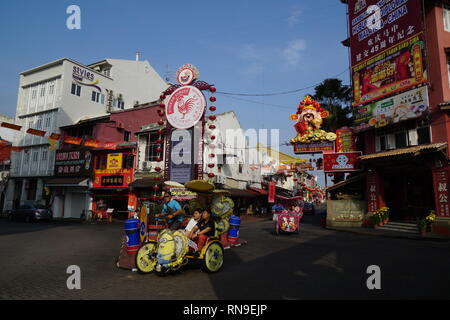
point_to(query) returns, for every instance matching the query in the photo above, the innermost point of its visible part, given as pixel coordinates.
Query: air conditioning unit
(147, 165)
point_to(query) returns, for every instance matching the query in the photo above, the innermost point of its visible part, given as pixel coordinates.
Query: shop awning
(262, 192)
(145, 183)
(405, 152)
(346, 182)
(67, 182)
(241, 193)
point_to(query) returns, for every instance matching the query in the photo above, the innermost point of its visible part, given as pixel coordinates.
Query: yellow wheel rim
(214, 257)
(145, 261)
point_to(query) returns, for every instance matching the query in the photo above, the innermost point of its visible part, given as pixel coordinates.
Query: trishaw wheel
(213, 258)
(145, 260)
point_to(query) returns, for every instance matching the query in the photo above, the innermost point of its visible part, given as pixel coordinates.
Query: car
(308, 208)
(31, 211)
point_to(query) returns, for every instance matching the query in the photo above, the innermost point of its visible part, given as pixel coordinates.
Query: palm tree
(336, 98)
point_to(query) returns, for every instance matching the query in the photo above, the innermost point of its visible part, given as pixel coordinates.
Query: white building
(60, 93)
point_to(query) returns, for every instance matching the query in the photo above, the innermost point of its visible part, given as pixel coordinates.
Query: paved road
(317, 264)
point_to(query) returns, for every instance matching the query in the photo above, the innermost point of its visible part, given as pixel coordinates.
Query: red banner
(92, 143)
(110, 145)
(373, 192)
(11, 126)
(441, 184)
(36, 132)
(341, 161)
(271, 192)
(73, 140)
(55, 136)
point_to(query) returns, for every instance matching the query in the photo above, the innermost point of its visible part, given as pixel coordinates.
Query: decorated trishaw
(288, 220)
(171, 250)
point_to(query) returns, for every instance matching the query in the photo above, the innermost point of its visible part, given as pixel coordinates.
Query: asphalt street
(315, 264)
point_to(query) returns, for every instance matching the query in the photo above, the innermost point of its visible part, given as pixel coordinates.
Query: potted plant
(385, 214)
(422, 224)
(430, 219)
(375, 219)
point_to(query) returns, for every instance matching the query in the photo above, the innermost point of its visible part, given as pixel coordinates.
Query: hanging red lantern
(213, 137)
(212, 127)
(157, 169)
(158, 159)
(162, 97)
(162, 105)
(211, 165)
(161, 122)
(158, 141)
(212, 89)
(211, 175)
(160, 131)
(212, 108)
(212, 155)
(212, 99)
(155, 187)
(159, 149)
(212, 117)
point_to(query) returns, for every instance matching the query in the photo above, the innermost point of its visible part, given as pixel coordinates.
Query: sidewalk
(391, 234)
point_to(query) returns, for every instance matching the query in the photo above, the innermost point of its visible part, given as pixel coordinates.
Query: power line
(277, 93)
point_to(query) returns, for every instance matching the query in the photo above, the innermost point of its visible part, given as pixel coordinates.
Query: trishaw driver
(172, 211)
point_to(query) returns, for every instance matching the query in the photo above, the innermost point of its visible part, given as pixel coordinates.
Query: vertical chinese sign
(271, 192)
(441, 180)
(375, 196)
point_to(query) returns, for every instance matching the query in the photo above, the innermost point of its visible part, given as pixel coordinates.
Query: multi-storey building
(399, 53)
(61, 93)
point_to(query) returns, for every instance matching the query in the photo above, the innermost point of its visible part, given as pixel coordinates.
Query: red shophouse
(400, 53)
(97, 161)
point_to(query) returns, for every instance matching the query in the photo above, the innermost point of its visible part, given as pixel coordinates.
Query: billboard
(326, 146)
(341, 161)
(387, 47)
(73, 162)
(405, 106)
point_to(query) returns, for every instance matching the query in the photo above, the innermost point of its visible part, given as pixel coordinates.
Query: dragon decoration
(309, 119)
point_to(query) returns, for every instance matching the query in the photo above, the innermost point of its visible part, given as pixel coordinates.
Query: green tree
(336, 98)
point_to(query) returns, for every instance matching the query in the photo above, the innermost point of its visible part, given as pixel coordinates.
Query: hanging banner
(441, 188)
(73, 140)
(341, 161)
(327, 146)
(387, 47)
(11, 126)
(55, 136)
(92, 143)
(36, 132)
(405, 106)
(271, 192)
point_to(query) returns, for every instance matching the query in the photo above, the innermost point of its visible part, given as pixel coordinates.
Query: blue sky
(245, 46)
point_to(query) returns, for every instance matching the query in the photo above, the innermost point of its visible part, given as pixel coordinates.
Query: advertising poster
(387, 47)
(405, 106)
(345, 140)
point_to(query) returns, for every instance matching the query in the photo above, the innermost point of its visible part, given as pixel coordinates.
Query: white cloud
(294, 17)
(291, 53)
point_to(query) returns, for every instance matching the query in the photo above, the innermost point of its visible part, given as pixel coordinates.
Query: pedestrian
(172, 211)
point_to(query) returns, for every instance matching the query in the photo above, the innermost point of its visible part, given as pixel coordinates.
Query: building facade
(400, 78)
(61, 93)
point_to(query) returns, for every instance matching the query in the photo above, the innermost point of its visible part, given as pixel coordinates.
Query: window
(98, 97)
(51, 89)
(44, 155)
(240, 167)
(120, 104)
(26, 158)
(39, 123)
(76, 89)
(48, 122)
(42, 91)
(33, 94)
(126, 136)
(35, 156)
(150, 151)
(423, 132)
(384, 141)
(446, 13)
(401, 138)
(129, 161)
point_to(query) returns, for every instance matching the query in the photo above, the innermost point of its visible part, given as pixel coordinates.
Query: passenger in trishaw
(205, 227)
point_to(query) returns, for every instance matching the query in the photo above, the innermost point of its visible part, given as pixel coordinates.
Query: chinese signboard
(441, 185)
(114, 161)
(408, 105)
(181, 156)
(113, 178)
(387, 47)
(374, 192)
(271, 192)
(341, 161)
(327, 146)
(73, 163)
(345, 140)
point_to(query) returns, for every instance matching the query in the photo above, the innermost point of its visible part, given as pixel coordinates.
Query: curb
(392, 236)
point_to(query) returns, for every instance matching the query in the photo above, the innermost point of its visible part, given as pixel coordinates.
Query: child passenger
(205, 228)
(196, 216)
